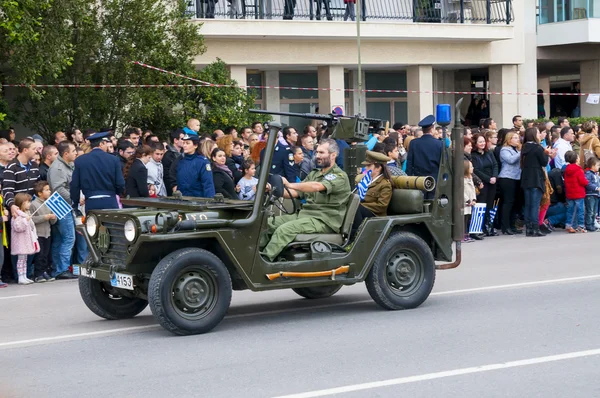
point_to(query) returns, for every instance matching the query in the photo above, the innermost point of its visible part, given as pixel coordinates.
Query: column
(272, 95)
(331, 77)
(527, 71)
(590, 83)
(543, 83)
(239, 73)
(503, 79)
(419, 78)
(444, 81)
(462, 82)
(355, 95)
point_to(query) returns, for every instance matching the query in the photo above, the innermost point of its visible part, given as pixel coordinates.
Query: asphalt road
(519, 318)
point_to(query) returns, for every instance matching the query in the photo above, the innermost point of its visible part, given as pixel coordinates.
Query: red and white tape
(208, 84)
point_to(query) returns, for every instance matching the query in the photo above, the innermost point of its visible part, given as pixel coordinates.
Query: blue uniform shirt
(194, 177)
(96, 173)
(283, 162)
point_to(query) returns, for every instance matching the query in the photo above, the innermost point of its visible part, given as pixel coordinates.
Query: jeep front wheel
(403, 273)
(317, 292)
(190, 291)
(105, 301)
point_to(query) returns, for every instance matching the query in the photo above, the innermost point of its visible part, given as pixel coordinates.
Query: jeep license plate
(82, 271)
(122, 281)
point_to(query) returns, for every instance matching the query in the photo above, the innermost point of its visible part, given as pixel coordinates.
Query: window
(386, 106)
(256, 79)
(298, 79)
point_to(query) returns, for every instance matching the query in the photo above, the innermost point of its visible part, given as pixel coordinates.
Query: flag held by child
(58, 205)
(477, 216)
(363, 185)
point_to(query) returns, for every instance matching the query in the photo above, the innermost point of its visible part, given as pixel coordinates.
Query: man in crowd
(59, 137)
(155, 169)
(257, 128)
(126, 150)
(76, 136)
(20, 175)
(563, 145)
(328, 186)
(49, 154)
(132, 134)
(283, 157)
(563, 122)
(60, 175)
(425, 153)
(490, 124)
(98, 175)
(245, 135)
(174, 152)
(518, 124)
(5, 159)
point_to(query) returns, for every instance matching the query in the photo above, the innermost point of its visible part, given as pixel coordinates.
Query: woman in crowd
(222, 175)
(534, 159)
(590, 145)
(136, 173)
(206, 148)
(225, 144)
(509, 180)
(486, 168)
(379, 192)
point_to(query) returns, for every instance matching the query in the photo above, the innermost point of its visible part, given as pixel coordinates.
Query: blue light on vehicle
(443, 114)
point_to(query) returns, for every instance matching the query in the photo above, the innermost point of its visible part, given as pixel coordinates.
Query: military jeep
(185, 255)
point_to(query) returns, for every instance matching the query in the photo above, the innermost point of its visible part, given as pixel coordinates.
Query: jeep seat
(336, 239)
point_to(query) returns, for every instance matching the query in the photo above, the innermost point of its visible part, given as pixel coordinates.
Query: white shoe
(29, 280)
(24, 281)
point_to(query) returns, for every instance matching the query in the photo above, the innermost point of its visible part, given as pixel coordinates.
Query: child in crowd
(3, 234)
(42, 219)
(152, 190)
(247, 184)
(592, 191)
(23, 239)
(470, 199)
(575, 184)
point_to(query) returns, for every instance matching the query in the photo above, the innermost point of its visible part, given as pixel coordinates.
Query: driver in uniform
(326, 191)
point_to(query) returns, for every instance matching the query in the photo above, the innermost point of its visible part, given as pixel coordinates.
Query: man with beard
(326, 191)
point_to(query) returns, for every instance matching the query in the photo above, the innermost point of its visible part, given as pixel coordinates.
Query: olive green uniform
(323, 211)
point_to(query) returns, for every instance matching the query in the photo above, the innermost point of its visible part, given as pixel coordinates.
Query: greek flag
(363, 185)
(477, 216)
(493, 212)
(58, 205)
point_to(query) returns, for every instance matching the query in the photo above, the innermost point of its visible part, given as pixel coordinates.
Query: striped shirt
(18, 178)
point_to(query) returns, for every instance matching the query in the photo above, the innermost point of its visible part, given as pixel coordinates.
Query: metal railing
(432, 11)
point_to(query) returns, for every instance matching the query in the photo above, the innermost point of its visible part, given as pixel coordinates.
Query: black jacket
(233, 166)
(533, 163)
(169, 178)
(476, 180)
(557, 182)
(136, 183)
(485, 165)
(44, 171)
(223, 183)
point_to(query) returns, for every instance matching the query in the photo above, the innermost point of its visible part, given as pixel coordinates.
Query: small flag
(477, 216)
(493, 212)
(363, 185)
(58, 205)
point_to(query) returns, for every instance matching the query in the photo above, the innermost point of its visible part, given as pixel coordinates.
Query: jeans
(591, 203)
(81, 249)
(575, 208)
(350, 13)
(557, 214)
(63, 239)
(533, 197)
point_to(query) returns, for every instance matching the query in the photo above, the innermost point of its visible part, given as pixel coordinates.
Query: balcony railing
(433, 11)
(567, 10)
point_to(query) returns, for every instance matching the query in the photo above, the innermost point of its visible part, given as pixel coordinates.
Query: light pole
(358, 18)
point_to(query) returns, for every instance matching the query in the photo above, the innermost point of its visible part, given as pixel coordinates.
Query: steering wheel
(276, 194)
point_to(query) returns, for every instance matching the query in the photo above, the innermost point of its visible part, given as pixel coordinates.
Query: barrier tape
(208, 84)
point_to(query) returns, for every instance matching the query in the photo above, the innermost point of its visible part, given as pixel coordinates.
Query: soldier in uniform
(326, 191)
(425, 153)
(98, 175)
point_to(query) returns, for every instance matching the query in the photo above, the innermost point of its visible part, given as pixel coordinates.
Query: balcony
(568, 22)
(430, 11)
(551, 11)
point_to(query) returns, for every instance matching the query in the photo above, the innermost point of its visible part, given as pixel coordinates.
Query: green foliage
(96, 42)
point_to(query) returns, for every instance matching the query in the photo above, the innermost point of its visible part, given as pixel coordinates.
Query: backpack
(589, 153)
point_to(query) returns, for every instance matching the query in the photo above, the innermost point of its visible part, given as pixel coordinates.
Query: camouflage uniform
(323, 211)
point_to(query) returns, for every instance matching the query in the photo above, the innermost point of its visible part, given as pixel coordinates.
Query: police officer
(98, 175)
(326, 191)
(194, 174)
(425, 153)
(283, 157)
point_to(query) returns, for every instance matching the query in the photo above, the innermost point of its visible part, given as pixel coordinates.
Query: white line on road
(448, 373)
(14, 297)
(289, 310)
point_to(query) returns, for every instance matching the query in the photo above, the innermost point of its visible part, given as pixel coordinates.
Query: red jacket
(575, 182)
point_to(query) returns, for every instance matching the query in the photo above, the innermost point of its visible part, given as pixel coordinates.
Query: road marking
(14, 297)
(448, 373)
(291, 310)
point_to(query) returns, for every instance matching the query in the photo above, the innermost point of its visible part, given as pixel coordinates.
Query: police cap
(375, 157)
(427, 121)
(99, 136)
(191, 137)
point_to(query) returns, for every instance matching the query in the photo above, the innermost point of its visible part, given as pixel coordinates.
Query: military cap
(375, 157)
(427, 121)
(99, 136)
(192, 137)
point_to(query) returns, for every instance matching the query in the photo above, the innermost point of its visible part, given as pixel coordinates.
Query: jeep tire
(104, 301)
(403, 273)
(318, 292)
(189, 291)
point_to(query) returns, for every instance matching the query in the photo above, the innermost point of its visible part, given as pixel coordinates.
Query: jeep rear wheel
(105, 301)
(317, 292)
(403, 273)
(190, 291)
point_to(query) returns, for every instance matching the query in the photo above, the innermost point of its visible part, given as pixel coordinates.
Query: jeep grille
(117, 248)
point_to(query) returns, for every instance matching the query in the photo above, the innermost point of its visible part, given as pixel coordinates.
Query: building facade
(420, 46)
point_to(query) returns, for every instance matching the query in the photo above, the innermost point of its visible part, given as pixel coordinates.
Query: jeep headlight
(130, 231)
(91, 225)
